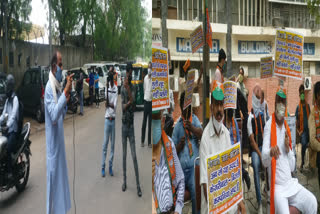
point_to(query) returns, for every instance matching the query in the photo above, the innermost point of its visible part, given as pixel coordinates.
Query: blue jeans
(109, 131)
(190, 184)
(81, 100)
(256, 164)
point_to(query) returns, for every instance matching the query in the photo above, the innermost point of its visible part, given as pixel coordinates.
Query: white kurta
(287, 189)
(58, 195)
(210, 144)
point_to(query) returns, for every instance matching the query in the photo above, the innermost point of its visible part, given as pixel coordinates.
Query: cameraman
(55, 102)
(109, 124)
(11, 108)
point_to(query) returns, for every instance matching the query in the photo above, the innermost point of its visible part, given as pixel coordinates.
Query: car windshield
(136, 74)
(2, 86)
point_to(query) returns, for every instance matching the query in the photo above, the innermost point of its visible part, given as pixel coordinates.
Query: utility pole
(5, 40)
(164, 15)
(206, 59)
(50, 33)
(229, 39)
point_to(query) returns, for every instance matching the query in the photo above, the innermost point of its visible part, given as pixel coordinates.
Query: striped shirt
(162, 183)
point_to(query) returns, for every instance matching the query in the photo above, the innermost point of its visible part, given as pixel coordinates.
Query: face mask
(149, 71)
(217, 124)
(302, 97)
(59, 74)
(156, 131)
(280, 110)
(256, 105)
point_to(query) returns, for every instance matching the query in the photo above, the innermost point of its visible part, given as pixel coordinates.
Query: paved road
(94, 194)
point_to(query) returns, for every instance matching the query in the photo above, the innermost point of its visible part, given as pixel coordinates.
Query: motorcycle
(20, 159)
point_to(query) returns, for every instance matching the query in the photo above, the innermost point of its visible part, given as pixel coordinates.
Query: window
(27, 78)
(11, 59)
(100, 72)
(19, 59)
(254, 69)
(317, 68)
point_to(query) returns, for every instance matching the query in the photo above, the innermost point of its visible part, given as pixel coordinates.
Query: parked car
(123, 70)
(101, 69)
(31, 91)
(117, 69)
(3, 95)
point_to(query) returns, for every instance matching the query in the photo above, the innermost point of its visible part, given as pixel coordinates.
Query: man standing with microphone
(55, 102)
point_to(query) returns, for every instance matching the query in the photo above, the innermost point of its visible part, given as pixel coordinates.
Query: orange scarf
(317, 121)
(301, 115)
(171, 168)
(274, 161)
(188, 135)
(261, 128)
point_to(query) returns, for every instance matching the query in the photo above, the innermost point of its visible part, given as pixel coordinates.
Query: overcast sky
(39, 14)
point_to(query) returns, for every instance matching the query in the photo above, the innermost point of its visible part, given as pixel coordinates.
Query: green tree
(313, 6)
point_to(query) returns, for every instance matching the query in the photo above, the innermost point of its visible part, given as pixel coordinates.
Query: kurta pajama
(58, 195)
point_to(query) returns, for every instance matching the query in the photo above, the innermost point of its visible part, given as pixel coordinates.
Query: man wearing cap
(255, 126)
(221, 66)
(215, 139)
(147, 107)
(278, 157)
(167, 175)
(186, 136)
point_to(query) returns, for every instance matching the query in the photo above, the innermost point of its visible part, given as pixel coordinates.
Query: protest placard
(288, 54)
(266, 67)
(292, 125)
(230, 95)
(224, 172)
(189, 88)
(160, 78)
(196, 37)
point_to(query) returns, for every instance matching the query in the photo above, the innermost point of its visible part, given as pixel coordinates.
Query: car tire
(39, 114)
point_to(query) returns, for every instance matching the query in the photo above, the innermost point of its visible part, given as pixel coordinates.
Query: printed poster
(189, 88)
(196, 39)
(266, 67)
(224, 189)
(230, 95)
(288, 54)
(160, 78)
(292, 125)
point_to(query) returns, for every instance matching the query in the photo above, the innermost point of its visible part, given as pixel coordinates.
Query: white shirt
(113, 97)
(210, 144)
(285, 163)
(217, 75)
(147, 88)
(249, 124)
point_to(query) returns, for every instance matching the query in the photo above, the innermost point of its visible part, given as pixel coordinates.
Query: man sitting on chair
(278, 157)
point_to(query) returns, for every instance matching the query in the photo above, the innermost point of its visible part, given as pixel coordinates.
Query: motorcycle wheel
(21, 184)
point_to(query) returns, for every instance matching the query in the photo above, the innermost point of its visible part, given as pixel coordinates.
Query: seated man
(215, 139)
(11, 108)
(255, 127)
(186, 136)
(167, 174)
(278, 157)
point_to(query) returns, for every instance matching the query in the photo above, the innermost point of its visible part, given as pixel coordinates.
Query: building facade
(254, 24)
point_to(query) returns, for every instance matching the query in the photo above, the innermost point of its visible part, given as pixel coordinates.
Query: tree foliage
(313, 6)
(17, 15)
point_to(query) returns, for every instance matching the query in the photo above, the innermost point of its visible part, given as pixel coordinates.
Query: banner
(189, 88)
(196, 39)
(292, 125)
(266, 67)
(288, 55)
(224, 171)
(230, 95)
(160, 78)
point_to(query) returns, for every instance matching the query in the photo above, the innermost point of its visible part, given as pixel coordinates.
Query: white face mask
(280, 111)
(217, 124)
(256, 105)
(149, 71)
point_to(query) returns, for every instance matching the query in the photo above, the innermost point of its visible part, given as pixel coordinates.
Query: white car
(116, 66)
(102, 72)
